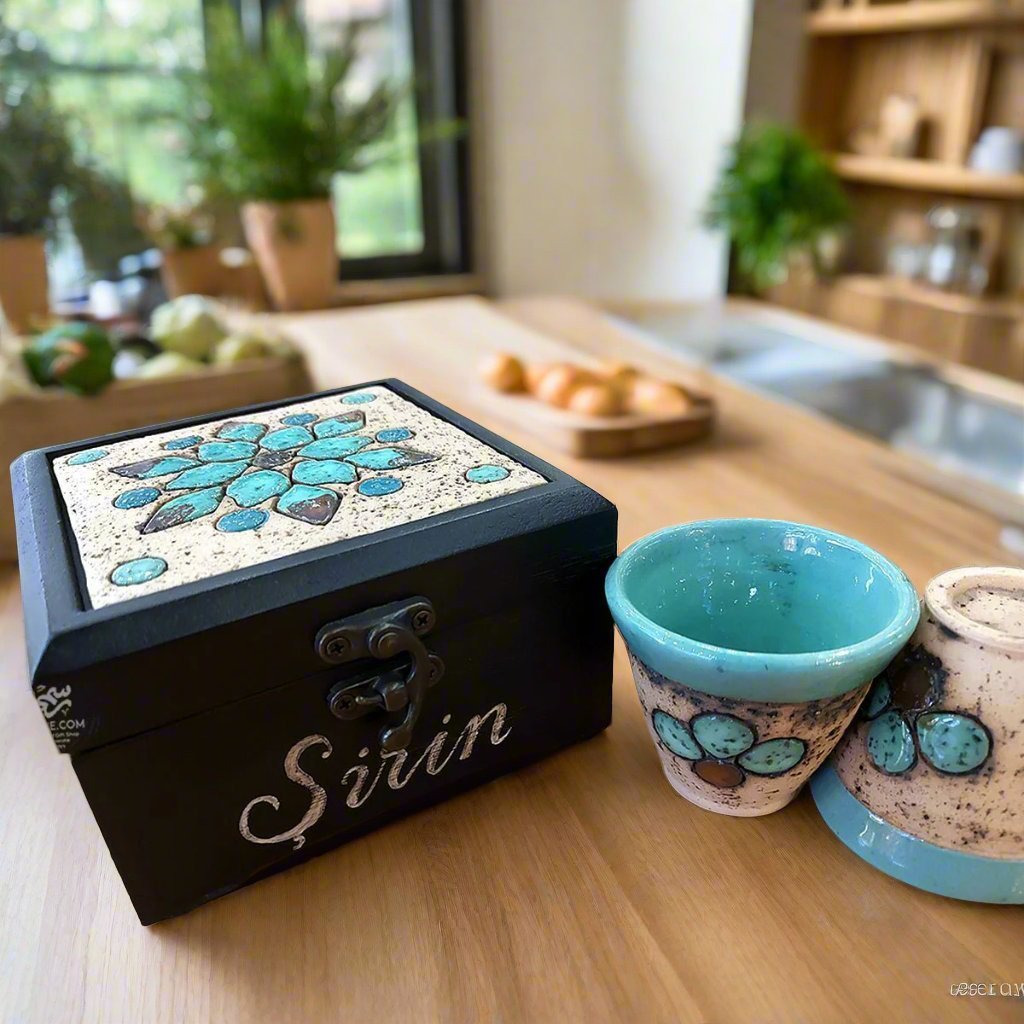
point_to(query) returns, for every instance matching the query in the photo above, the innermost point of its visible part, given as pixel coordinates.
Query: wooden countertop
(580, 889)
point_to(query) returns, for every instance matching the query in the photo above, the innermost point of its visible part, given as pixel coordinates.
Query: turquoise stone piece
(394, 434)
(161, 466)
(890, 744)
(298, 419)
(238, 431)
(136, 498)
(138, 570)
(184, 509)
(182, 442)
(226, 451)
(389, 458)
(676, 736)
(380, 485)
(952, 743)
(334, 447)
(722, 735)
(84, 458)
(257, 486)
(315, 505)
(486, 474)
(286, 438)
(207, 476)
(359, 398)
(337, 426)
(323, 471)
(244, 519)
(773, 757)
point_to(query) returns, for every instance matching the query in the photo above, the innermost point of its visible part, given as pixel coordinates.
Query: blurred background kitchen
(823, 202)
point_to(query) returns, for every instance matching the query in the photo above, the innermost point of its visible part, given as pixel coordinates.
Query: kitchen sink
(965, 434)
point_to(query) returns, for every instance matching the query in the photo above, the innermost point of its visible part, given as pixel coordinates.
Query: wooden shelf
(914, 15)
(963, 62)
(1001, 307)
(927, 175)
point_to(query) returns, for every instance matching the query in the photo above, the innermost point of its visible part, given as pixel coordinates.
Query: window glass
(115, 62)
(379, 210)
(113, 65)
(115, 71)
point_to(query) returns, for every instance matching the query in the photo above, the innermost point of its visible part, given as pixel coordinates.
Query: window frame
(439, 43)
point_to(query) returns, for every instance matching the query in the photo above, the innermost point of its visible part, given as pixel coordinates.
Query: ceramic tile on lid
(166, 509)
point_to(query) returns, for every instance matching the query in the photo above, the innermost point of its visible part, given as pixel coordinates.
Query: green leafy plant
(777, 197)
(103, 215)
(278, 123)
(178, 227)
(36, 157)
(43, 175)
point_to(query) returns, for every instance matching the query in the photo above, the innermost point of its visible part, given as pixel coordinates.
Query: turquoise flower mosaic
(722, 749)
(905, 725)
(298, 469)
(156, 511)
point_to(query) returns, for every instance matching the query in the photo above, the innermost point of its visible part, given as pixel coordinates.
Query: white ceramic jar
(928, 785)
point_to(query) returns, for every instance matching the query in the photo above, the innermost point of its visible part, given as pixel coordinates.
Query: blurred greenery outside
(117, 62)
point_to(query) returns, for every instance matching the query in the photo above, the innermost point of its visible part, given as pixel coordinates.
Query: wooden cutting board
(586, 437)
(592, 437)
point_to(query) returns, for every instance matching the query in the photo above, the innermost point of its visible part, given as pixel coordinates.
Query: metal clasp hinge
(383, 633)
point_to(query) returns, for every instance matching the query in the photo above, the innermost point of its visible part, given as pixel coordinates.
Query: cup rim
(942, 592)
(891, 636)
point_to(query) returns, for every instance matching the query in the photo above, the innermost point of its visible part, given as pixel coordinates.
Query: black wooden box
(262, 634)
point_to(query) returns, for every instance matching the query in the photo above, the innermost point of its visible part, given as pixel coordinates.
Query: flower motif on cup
(299, 469)
(905, 724)
(722, 749)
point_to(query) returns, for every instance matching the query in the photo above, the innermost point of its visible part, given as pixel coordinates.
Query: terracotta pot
(195, 271)
(24, 296)
(294, 246)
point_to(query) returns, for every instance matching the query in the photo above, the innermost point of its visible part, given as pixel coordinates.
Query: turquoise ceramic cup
(752, 644)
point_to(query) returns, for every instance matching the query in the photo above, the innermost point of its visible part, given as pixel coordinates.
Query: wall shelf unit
(859, 18)
(962, 63)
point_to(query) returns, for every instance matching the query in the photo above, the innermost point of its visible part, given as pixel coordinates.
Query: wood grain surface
(580, 889)
(600, 437)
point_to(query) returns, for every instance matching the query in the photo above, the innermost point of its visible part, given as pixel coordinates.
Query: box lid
(231, 537)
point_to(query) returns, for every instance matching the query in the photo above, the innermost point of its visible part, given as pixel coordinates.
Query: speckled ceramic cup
(753, 643)
(929, 784)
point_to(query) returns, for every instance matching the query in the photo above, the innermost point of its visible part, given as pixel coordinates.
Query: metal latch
(390, 631)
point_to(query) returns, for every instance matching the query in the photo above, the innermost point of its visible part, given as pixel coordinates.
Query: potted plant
(277, 124)
(103, 216)
(779, 202)
(35, 162)
(190, 260)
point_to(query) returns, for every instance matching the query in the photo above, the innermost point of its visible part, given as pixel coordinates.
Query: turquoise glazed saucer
(928, 783)
(964, 876)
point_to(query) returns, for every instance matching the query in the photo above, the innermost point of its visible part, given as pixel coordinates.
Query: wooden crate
(52, 417)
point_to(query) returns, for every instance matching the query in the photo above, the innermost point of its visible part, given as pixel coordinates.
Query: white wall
(604, 123)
